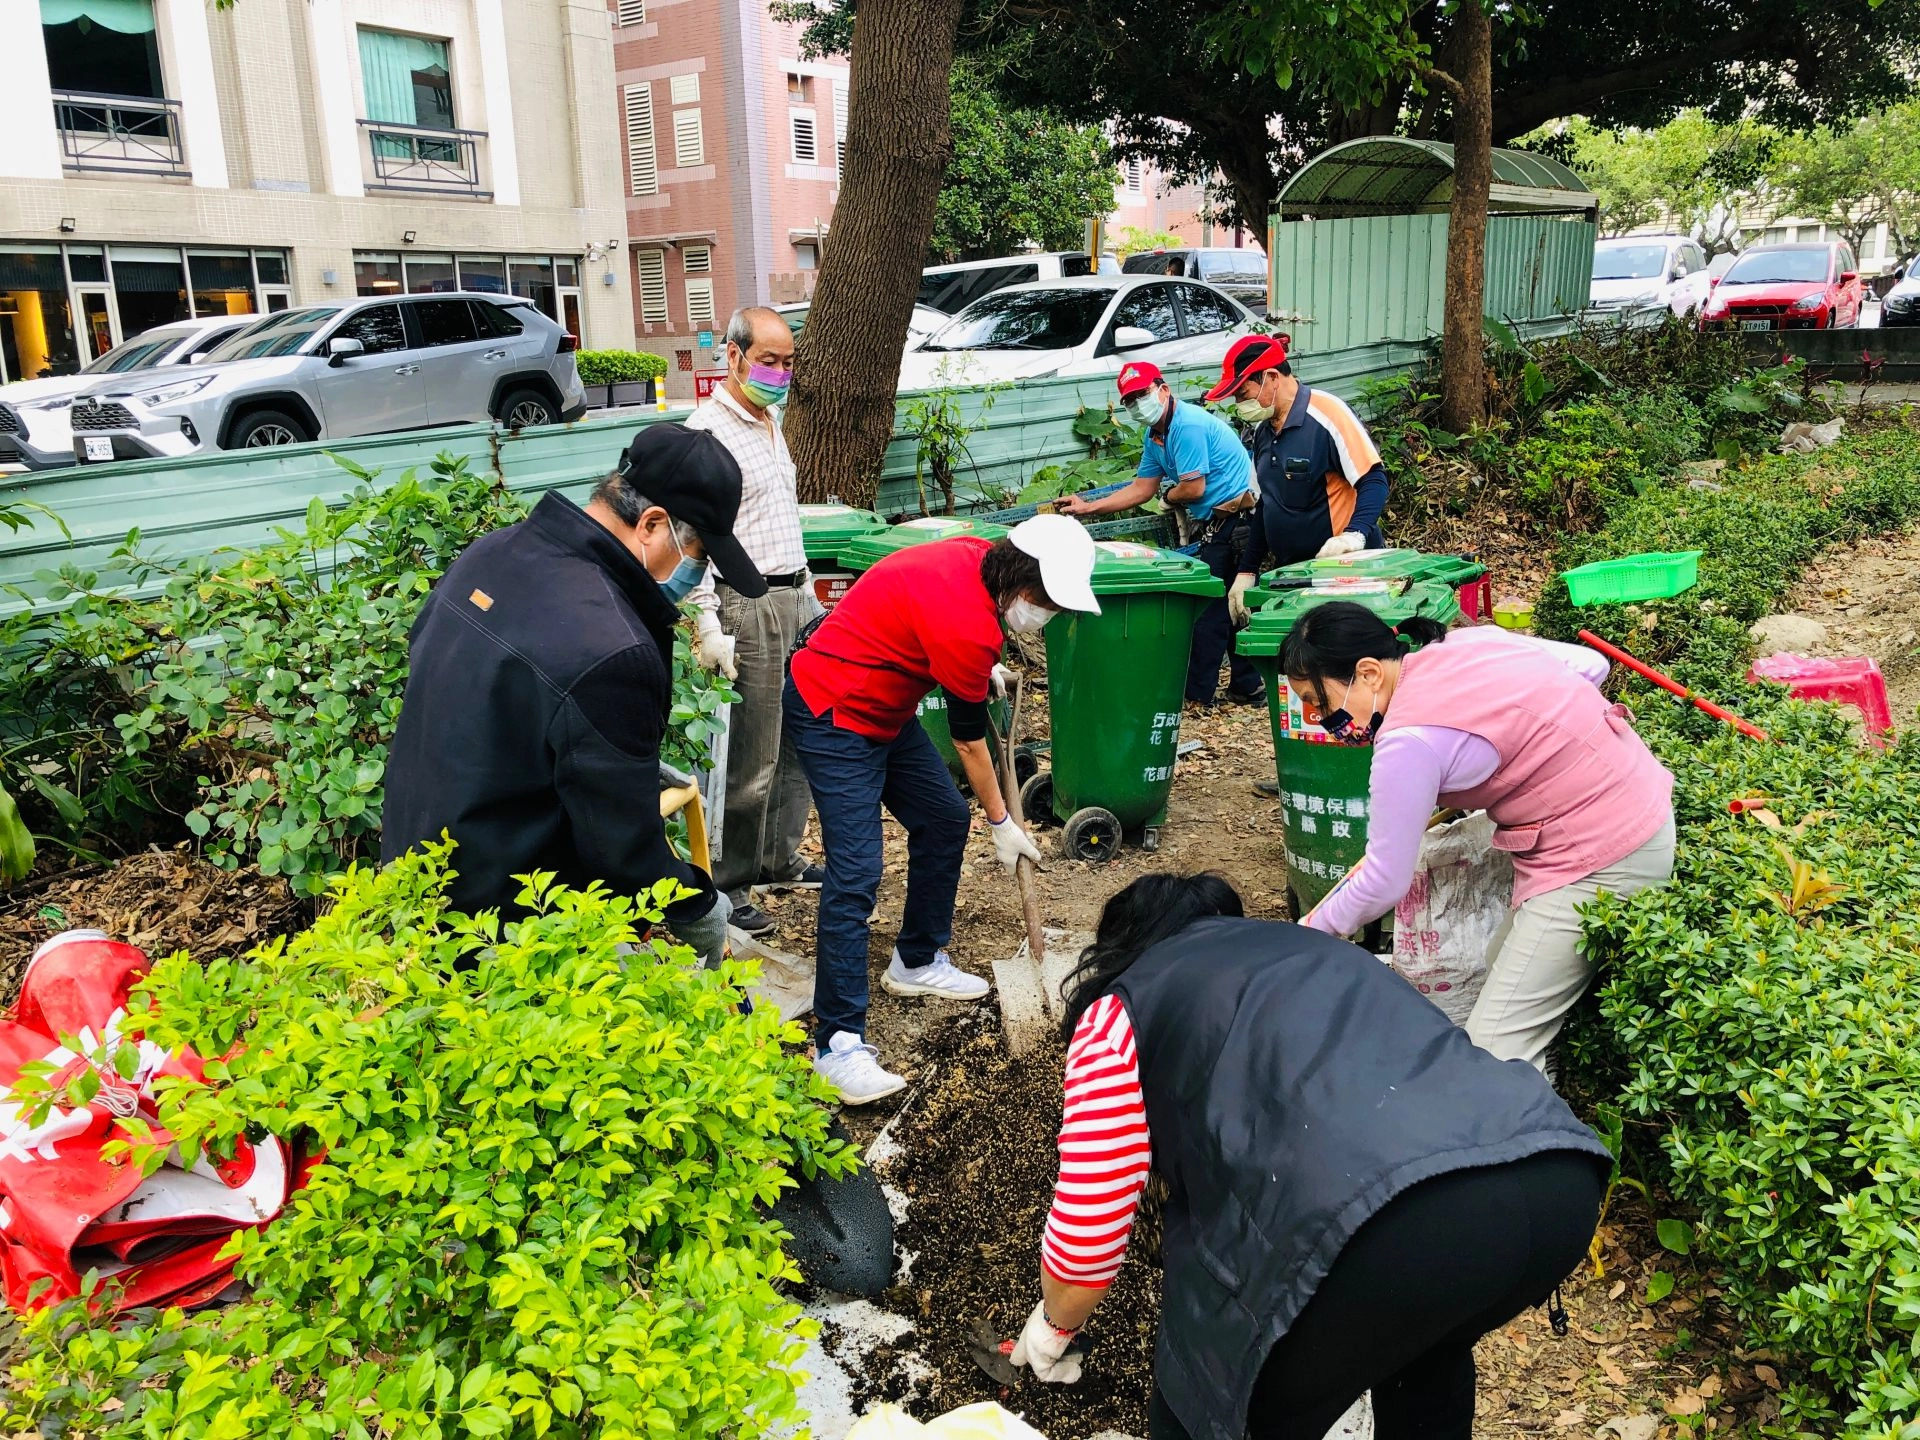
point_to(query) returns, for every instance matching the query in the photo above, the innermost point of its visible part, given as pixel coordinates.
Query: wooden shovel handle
(1010, 792)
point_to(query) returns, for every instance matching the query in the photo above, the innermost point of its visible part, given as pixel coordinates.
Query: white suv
(1638, 271)
(360, 367)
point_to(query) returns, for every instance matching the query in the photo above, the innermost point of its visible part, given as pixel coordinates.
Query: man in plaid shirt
(767, 797)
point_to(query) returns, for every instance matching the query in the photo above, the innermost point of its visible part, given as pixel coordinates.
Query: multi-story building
(161, 158)
(733, 146)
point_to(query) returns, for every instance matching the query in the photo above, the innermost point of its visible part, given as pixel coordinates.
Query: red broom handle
(1647, 672)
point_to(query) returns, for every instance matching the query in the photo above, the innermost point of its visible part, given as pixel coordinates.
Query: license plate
(99, 447)
(1756, 324)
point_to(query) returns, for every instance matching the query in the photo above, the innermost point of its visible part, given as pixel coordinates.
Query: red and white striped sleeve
(1105, 1151)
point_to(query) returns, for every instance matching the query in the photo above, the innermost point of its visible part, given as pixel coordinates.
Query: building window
(806, 256)
(700, 304)
(431, 274)
(652, 266)
(685, 88)
(36, 315)
(800, 89)
(222, 282)
(840, 127)
(1133, 174)
(631, 12)
(377, 275)
(806, 149)
(697, 260)
(642, 166)
(102, 47)
(551, 284)
(407, 80)
(689, 146)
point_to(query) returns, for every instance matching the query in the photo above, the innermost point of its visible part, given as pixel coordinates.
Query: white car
(1086, 326)
(1641, 271)
(920, 324)
(34, 414)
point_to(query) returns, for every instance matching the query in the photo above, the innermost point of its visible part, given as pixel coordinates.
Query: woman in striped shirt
(1355, 1192)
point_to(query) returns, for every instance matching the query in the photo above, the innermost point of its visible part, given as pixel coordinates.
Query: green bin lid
(863, 552)
(1388, 564)
(825, 529)
(1274, 620)
(1125, 567)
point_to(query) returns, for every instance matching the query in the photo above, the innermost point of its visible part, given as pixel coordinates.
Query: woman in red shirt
(936, 614)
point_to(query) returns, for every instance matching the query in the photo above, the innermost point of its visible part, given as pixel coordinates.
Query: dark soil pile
(159, 900)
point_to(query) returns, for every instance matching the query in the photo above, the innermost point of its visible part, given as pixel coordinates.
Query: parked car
(360, 367)
(1634, 271)
(922, 323)
(1788, 287)
(951, 288)
(1089, 325)
(1242, 273)
(34, 413)
(1901, 304)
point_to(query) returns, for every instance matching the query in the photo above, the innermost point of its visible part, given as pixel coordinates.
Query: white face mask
(1146, 409)
(1023, 617)
(1251, 411)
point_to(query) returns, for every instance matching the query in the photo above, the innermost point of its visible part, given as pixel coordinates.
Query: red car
(1788, 287)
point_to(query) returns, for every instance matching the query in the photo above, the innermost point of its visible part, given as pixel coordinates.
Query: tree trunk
(848, 362)
(1463, 380)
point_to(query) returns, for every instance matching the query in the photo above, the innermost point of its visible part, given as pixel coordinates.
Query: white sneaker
(853, 1068)
(942, 979)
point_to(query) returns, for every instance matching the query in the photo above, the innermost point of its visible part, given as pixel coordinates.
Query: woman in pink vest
(1510, 725)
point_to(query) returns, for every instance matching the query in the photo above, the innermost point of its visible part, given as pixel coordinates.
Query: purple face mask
(765, 385)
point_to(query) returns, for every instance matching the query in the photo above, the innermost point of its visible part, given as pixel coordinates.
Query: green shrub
(540, 1207)
(610, 367)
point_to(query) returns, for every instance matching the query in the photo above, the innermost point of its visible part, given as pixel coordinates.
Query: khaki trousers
(1536, 970)
(767, 796)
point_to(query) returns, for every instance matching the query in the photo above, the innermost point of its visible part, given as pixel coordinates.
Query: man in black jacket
(541, 675)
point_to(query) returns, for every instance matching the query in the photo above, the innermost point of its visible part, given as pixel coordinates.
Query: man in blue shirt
(1195, 461)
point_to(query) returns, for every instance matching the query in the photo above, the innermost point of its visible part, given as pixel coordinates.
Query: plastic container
(1845, 680)
(1473, 589)
(1653, 576)
(862, 552)
(1324, 785)
(1115, 684)
(1513, 615)
(825, 531)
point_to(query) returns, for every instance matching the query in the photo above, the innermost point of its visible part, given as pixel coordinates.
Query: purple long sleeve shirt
(1412, 768)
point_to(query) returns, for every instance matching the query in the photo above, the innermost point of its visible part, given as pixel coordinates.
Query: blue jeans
(851, 777)
(1213, 631)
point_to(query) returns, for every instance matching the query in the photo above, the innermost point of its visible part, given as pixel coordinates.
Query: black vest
(1295, 1084)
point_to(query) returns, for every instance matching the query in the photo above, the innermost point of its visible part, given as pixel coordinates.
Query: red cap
(1136, 376)
(1249, 355)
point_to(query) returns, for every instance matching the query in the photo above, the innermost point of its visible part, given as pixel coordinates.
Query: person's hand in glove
(1012, 844)
(1344, 543)
(713, 647)
(1237, 601)
(1003, 678)
(1043, 1347)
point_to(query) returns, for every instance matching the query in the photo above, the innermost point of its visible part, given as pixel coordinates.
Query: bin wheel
(1092, 834)
(1295, 908)
(1036, 796)
(1026, 765)
(1150, 839)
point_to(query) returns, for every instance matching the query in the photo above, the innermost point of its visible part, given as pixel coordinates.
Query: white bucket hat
(1066, 555)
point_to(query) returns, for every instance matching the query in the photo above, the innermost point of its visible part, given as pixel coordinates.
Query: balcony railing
(119, 134)
(432, 162)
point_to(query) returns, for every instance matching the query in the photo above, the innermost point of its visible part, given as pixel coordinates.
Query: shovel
(1023, 1010)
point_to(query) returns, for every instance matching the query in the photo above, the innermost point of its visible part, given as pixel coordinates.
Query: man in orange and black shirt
(1322, 486)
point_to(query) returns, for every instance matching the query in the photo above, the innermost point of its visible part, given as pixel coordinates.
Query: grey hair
(740, 324)
(628, 505)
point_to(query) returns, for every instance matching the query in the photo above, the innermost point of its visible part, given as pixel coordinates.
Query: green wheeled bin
(826, 531)
(1466, 577)
(862, 552)
(1115, 684)
(1323, 784)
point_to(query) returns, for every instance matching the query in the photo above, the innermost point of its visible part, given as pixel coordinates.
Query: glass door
(570, 314)
(99, 326)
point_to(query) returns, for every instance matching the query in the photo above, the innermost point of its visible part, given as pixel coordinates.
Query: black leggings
(1439, 1266)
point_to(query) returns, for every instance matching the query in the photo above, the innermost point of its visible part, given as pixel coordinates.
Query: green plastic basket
(1633, 577)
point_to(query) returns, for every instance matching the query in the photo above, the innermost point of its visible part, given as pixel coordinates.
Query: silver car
(33, 413)
(324, 372)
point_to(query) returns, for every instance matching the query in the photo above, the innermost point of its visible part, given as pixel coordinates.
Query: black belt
(774, 582)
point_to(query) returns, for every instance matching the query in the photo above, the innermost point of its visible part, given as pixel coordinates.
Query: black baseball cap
(696, 480)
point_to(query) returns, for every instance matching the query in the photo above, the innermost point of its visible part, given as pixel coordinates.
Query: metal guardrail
(119, 134)
(415, 159)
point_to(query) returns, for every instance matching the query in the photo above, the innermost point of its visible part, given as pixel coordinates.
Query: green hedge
(1760, 1014)
(612, 367)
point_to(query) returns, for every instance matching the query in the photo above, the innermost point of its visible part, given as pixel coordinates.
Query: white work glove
(1002, 679)
(713, 647)
(1012, 844)
(1344, 543)
(1044, 1349)
(1237, 601)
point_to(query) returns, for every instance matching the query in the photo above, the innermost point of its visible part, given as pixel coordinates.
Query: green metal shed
(1358, 248)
